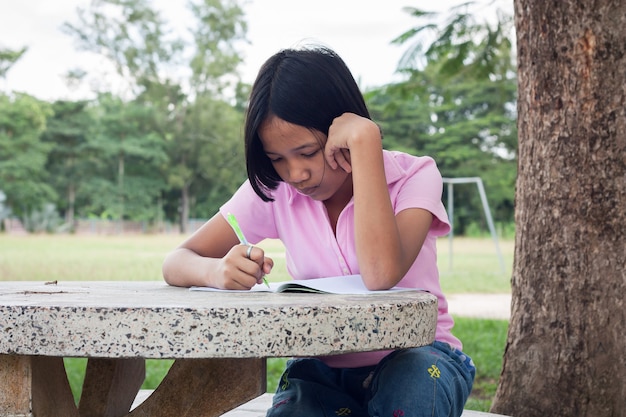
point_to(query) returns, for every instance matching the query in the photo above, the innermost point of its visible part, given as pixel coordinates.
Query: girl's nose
(298, 173)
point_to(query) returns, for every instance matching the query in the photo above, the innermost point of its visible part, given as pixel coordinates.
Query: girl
(320, 181)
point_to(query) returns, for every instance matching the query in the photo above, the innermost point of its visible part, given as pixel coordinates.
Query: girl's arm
(213, 257)
(386, 244)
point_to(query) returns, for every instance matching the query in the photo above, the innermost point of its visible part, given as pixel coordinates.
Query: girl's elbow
(167, 276)
(168, 270)
(378, 277)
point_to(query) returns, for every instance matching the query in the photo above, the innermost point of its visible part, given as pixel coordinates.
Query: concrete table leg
(37, 386)
(34, 386)
(110, 386)
(205, 388)
(15, 385)
(52, 395)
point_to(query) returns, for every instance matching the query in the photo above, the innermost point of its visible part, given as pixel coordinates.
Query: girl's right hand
(343, 133)
(238, 272)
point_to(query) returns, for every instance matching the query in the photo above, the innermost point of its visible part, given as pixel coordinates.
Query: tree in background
(133, 38)
(68, 165)
(205, 145)
(128, 156)
(24, 189)
(23, 155)
(457, 103)
(8, 57)
(213, 149)
(175, 79)
(565, 348)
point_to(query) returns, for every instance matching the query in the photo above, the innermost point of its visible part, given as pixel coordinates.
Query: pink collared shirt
(314, 251)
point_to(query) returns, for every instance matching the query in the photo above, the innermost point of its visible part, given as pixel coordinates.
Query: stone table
(219, 341)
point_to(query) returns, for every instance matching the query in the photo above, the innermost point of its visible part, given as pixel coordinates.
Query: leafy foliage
(8, 57)
(23, 154)
(457, 104)
(68, 162)
(167, 144)
(128, 156)
(179, 123)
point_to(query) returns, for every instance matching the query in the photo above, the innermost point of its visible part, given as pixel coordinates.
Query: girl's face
(297, 154)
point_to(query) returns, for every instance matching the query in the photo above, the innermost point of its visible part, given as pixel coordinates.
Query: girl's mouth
(306, 191)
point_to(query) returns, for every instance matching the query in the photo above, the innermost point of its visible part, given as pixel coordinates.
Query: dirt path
(488, 306)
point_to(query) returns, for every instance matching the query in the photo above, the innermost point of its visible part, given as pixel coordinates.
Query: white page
(348, 284)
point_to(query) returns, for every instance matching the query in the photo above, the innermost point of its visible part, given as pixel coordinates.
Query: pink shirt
(314, 251)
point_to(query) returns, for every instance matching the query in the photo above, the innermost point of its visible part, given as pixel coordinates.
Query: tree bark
(566, 347)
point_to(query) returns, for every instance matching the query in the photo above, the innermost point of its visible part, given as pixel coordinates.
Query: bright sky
(359, 30)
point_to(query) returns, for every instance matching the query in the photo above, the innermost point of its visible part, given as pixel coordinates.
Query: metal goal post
(483, 197)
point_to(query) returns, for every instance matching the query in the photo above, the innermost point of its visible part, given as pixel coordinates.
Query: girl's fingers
(329, 154)
(343, 159)
(268, 264)
(339, 157)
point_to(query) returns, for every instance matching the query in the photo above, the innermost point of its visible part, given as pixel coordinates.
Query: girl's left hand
(342, 134)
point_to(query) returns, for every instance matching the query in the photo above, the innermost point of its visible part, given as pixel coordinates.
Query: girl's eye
(312, 154)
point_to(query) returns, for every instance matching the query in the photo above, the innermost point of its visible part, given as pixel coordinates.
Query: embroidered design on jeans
(434, 372)
(343, 411)
(398, 413)
(284, 381)
(281, 403)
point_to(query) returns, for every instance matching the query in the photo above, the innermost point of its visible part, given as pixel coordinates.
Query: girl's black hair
(307, 87)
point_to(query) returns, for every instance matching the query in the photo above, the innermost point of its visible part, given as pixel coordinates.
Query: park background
(103, 186)
(163, 144)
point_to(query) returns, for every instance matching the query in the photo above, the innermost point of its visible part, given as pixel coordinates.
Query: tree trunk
(71, 202)
(566, 348)
(121, 191)
(184, 209)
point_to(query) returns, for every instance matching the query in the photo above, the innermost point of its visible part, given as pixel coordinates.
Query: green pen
(242, 239)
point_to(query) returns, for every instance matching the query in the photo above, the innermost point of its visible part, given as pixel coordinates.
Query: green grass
(86, 258)
(475, 268)
(484, 341)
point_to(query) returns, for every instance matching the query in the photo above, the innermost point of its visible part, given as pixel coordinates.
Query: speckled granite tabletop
(153, 320)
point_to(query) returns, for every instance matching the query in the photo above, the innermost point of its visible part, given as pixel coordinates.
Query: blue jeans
(431, 381)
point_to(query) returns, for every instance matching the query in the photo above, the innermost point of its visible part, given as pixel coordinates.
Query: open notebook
(348, 284)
